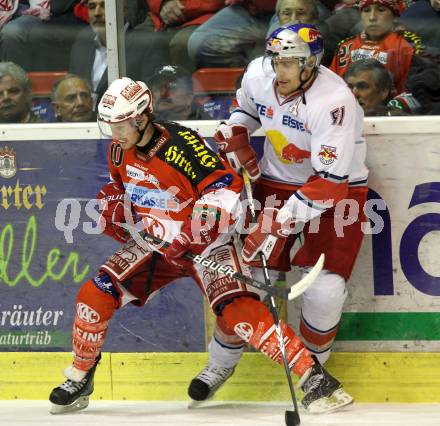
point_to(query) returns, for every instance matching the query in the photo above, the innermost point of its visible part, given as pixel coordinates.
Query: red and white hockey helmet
(123, 100)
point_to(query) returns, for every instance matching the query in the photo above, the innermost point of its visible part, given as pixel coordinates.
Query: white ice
(103, 413)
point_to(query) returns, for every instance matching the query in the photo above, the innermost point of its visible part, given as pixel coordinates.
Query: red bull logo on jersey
(294, 154)
(327, 154)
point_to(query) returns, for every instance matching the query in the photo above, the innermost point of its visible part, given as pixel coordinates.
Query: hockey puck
(292, 418)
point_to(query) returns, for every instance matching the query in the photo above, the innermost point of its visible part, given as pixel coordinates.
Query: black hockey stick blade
(292, 418)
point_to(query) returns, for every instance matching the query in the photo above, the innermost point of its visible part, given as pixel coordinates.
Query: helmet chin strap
(146, 134)
(303, 81)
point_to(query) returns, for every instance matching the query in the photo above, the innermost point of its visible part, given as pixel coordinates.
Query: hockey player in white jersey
(312, 176)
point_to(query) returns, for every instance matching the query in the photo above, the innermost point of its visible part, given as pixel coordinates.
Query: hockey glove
(233, 144)
(269, 235)
(111, 202)
(196, 235)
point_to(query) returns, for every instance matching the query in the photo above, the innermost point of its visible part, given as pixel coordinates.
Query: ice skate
(322, 392)
(207, 383)
(73, 394)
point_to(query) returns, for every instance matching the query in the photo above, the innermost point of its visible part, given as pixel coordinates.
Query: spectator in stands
(396, 51)
(233, 36)
(39, 38)
(72, 100)
(424, 84)
(170, 24)
(423, 17)
(15, 95)
(12, 9)
(88, 58)
(137, 11)
(372, 85)
(173, 95)
(342, 22)
(303, 12)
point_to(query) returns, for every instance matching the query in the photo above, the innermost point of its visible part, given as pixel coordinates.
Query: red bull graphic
(309, 35)
(327, 155)
(294, 154)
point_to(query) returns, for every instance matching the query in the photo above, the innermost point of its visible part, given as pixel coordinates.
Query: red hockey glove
(233, 143)
(267, 236)
(196, 234)
(111, 202)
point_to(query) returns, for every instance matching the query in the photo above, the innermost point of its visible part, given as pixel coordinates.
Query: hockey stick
(286, 293)
(291, 416)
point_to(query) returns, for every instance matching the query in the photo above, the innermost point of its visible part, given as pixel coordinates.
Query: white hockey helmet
(296, 41)
(123, 100)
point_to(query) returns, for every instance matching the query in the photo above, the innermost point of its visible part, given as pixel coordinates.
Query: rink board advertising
(49, 245)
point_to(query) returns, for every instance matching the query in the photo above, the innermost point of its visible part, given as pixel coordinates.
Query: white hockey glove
(233, 144)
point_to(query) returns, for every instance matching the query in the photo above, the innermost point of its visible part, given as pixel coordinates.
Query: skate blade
(193, 404)
(336, 401)
(81, 403)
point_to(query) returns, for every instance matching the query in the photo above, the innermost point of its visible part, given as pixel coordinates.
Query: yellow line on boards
(369, 377)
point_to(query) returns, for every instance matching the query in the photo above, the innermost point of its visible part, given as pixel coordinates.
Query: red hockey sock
(94, 308)
(226, 335)
(253, 322)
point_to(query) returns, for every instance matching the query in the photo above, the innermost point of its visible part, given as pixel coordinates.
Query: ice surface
(103, 413)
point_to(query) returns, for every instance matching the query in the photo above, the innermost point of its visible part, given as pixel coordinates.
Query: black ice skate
(322, 392)
(207, 383)
(73, 395)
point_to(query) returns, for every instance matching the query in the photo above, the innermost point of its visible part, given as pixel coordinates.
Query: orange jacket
(395, 52)
(196, 11)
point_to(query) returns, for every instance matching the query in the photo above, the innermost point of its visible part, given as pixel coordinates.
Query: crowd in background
(388, 51)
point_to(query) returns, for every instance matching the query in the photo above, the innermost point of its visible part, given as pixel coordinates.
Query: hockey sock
(94, 308)
(225, 347)
(321, 312)
(253, 322)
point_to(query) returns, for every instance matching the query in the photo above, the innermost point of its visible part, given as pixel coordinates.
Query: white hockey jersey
(313, 141)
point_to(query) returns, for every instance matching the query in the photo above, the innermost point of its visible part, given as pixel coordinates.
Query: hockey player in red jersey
(182, 192)
(313, 167)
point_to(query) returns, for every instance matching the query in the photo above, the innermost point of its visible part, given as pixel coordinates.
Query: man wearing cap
(379, 40)
(173, 95)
